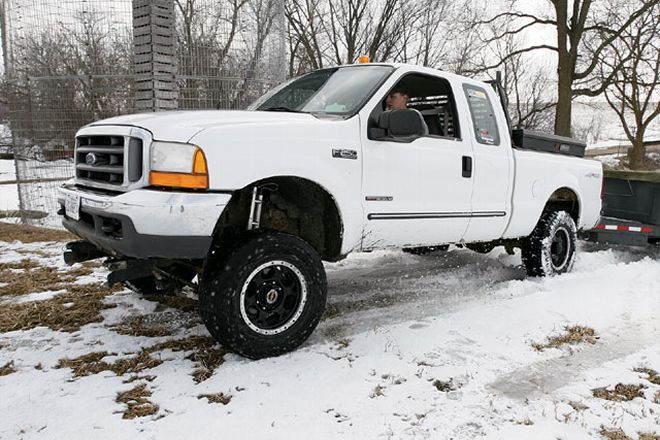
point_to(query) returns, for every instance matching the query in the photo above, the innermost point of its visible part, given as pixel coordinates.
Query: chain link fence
(71, 62)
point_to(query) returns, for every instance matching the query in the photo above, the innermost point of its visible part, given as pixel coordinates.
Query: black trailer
(631, 209)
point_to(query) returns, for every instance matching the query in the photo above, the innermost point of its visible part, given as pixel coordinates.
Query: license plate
(72, 205)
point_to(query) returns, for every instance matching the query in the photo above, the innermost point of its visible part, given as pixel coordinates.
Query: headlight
(178, 165)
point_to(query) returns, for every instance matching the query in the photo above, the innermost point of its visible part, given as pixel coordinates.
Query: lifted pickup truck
(245, 205)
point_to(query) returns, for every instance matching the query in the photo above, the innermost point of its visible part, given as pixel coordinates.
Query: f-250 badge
(344, 154)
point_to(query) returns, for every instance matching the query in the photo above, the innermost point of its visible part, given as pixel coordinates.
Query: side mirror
(402, 123)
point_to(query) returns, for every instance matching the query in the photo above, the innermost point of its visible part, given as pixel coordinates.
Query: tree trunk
(564, 104)
(637, 154)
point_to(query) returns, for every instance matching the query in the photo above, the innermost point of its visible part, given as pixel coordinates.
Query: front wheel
(550, 249)
(265, 297)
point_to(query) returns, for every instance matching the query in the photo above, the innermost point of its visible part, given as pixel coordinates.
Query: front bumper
(146, 223)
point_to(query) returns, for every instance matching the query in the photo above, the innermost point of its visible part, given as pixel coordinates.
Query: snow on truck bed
(450, 345)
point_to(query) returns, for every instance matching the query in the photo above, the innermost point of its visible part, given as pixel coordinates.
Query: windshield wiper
(280, 109)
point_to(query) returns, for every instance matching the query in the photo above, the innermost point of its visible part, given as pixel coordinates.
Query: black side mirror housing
(401, 124)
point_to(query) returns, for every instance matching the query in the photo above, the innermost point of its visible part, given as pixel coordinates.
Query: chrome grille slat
(100, 149)
(113, 169)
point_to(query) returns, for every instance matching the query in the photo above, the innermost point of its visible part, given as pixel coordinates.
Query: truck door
(418, 193)
(492, 167)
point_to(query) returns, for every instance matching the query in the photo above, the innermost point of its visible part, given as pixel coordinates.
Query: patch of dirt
(8, 369)
(80, 305)
(216, 398)
(573, 335)
(32, 234)
(139, 326)
(137, 402)
(648, 436)
(652, 375)
(443, 386)
(36, 278)
(92, 363)
(377, 392)
(620, 392)
(330, 312)
(176, 302)
(656, 398)
(614, 434)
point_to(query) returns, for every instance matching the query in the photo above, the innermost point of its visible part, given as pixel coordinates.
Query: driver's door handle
(467, 166)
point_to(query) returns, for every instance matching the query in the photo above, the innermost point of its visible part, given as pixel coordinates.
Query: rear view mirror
(404, 124)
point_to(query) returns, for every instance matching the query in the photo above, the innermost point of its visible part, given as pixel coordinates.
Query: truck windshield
(338, 91)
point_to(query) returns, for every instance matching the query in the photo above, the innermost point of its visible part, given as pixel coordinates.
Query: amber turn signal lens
(199, 162)
(179, 180)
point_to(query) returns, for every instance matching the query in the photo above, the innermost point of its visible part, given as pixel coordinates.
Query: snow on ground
(435, 347)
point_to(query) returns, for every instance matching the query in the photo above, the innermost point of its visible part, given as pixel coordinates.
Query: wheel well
(564, 199)
(292, 205)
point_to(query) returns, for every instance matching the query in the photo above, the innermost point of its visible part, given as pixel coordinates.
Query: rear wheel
(550, 249)
(265, 297)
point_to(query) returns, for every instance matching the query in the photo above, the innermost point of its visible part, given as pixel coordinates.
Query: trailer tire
(265, 297)
(550, 248)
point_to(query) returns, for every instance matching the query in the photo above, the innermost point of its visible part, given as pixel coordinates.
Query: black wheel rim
(273, 297)
(560, 249)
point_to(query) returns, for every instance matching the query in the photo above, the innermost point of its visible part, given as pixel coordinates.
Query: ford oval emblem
(90, 159)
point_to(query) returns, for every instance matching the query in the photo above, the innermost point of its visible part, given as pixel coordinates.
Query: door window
(429, 95)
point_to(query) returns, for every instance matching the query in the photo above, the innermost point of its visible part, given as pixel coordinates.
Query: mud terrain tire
(550, 248)
(265, 297)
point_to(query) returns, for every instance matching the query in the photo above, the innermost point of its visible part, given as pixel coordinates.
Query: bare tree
(633, 65)
(582, 36)
(304, 19)
(262, 14)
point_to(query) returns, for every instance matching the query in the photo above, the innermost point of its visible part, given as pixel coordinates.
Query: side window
(483, 119)
(432, 97)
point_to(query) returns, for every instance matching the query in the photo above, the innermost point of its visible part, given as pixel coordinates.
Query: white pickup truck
(245, 205)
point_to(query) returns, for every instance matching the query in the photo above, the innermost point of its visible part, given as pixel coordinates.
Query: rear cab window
(483, 118)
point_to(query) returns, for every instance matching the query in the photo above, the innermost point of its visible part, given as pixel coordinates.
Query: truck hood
(181, 126)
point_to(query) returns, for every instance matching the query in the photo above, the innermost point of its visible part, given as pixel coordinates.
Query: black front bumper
(116, 235)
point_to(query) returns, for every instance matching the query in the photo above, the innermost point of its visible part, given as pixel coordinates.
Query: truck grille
(109, 160)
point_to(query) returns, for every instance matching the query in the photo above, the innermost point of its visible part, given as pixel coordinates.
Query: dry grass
(176, 302)
(614, 434)
(216, 398)
(67, 312)
(137, 402)
(24, 264)
(656, 398)
(36, 278)
(205, 354)
(573, 335)
(648, 436)
(8, 369)
(137, 326)
(620, 392)
(652, 375)
(32, 234)
(92, 363)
